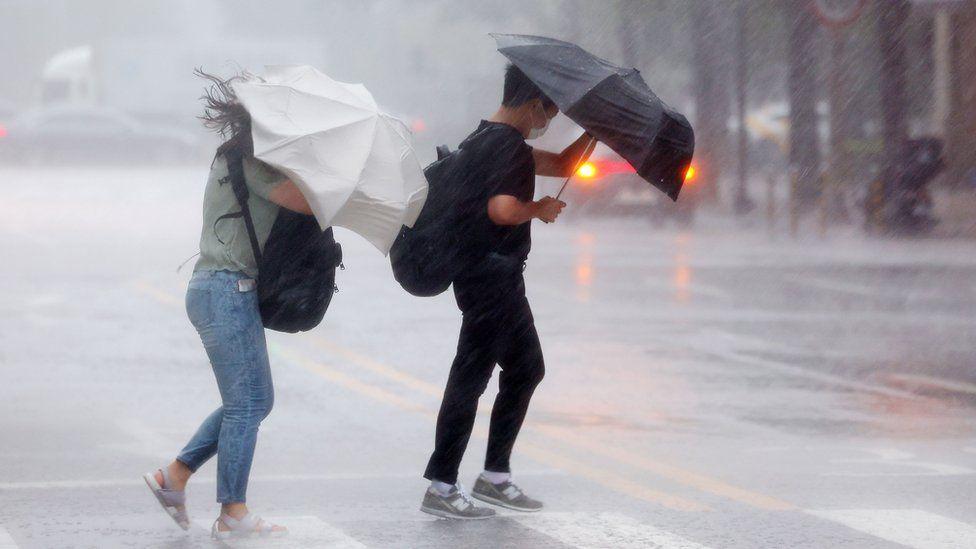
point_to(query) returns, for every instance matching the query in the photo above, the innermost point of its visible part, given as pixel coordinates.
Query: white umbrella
(354, 163)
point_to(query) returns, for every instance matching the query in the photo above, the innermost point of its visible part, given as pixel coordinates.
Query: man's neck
(514, 118)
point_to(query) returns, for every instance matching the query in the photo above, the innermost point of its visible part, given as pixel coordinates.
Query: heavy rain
(307, 273)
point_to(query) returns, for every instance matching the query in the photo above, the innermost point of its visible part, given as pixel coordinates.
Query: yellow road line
(610, 480)
(379, 368)
(348, 382)
(165, 298)
(601, 476)
(674, 473)
(933, 382)
(677, 474)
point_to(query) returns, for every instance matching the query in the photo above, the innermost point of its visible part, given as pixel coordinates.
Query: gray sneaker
(506, 494)
(455, 505)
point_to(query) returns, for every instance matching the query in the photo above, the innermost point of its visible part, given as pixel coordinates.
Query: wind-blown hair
(224, 114)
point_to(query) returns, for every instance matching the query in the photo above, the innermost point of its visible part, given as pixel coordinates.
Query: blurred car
(608, 185)
(91, 135)
(6, 114)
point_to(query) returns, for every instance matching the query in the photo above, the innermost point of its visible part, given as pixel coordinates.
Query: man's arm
(504, 209)
(562, 164)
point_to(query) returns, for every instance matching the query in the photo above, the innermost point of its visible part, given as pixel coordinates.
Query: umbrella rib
(292, 139)
(359, 176)
(340, 100)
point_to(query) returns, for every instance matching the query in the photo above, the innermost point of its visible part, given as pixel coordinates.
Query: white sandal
(250, 525)
(172, 501)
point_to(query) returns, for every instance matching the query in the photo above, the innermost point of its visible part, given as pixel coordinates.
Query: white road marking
(142, 439)
(6, 542)
(587, 530)
(911, 527)
(936, 382)
(667, 284)
(136, 480)
(839, 286)
(303, 531)
(889, 458)
(44, 300)
(727, 352)
(742, 342)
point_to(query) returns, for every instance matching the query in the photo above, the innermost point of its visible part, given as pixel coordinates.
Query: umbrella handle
(586, 153)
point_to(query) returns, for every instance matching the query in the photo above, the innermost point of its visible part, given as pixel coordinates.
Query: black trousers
(497, 328)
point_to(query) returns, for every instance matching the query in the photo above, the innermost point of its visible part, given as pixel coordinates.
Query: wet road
(714, 388)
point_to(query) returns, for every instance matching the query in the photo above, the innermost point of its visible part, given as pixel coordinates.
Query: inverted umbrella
(354, 163)
(613, 104)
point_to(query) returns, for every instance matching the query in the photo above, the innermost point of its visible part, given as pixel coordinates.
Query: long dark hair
(224, 114)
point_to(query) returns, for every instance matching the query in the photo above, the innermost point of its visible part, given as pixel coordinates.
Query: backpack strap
(235, 175)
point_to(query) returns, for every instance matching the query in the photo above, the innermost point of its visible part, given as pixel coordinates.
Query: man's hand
(504, 209)
(549, 208)
(562, 164)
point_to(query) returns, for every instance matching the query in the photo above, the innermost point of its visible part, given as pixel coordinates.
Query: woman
(222, 304)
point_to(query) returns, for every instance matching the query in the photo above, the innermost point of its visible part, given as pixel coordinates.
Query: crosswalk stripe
(911, 527)
(6, 542)
(303, 531)
(588, 530)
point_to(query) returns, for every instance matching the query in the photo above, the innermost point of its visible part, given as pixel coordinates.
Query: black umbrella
(613, 104)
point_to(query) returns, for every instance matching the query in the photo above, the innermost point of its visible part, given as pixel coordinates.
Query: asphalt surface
(715, 387)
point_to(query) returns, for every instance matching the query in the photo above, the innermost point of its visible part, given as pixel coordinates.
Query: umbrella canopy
(354, 163)
(612, 103)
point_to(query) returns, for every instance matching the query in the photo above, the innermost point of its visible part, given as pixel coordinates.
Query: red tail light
(588, 170)
(595, 169)
(3, 131)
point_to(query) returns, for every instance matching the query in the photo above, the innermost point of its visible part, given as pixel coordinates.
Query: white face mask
(536, 133)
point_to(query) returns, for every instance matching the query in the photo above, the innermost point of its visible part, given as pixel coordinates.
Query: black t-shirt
(499, 160)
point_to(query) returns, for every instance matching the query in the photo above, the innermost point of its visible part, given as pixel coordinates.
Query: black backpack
(427, 257)
(296, 271)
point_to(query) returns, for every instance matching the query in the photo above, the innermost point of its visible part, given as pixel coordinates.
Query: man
(497, 325)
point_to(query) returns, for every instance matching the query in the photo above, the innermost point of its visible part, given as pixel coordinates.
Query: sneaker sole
(444, 514)
(500, 503)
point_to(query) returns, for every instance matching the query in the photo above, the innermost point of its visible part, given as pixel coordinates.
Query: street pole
(832, 202)
(941, 86)
(712, 98)
(961, 121)
(892, 18)
(802, 90)
(743, 204)
(836, 16)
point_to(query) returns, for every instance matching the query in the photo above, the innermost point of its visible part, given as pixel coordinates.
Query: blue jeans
(229, 324)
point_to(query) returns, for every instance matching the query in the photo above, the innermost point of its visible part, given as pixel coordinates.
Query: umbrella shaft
(586, 153)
